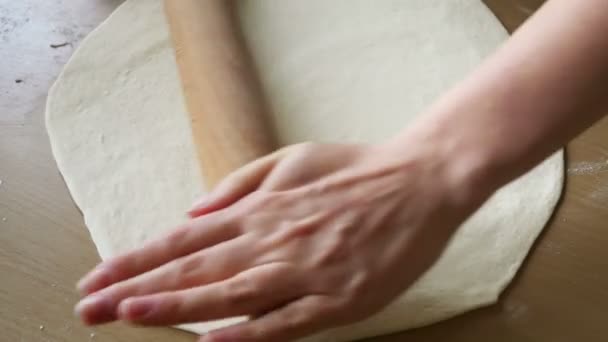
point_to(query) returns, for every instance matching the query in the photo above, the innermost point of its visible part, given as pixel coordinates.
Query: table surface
(561, 293)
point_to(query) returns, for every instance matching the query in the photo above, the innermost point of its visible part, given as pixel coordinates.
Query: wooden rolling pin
(228, 113)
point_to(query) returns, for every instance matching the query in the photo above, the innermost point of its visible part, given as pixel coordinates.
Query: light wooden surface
(561, 294)
(224, 98)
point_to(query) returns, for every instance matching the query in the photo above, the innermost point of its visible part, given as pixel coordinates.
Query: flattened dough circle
(337, 70)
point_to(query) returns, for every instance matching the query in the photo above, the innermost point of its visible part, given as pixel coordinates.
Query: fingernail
(133, 309)
(82, 306)
(95, 310)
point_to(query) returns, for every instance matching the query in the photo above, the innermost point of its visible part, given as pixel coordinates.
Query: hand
(308, 238)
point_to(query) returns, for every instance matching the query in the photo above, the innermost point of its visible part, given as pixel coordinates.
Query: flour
(600, 194)
(516, 310)
(588, 167)
(553, 247)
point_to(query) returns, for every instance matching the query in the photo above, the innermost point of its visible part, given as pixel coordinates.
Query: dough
(355, 70)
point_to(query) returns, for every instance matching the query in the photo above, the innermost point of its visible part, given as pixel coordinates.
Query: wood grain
(559, 295)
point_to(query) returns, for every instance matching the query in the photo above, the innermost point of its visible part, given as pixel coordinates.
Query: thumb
(237, 185)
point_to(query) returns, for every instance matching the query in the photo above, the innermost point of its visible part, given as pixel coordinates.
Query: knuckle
(298, 319)
(178, 236)
(188, 269)
(254, 200)
(303, 228)
(261, 201)
(117, 265)
(360, 285)
(241, 291)
(229, 219)
(118, 268)
(294, 230)
(264, 198)
(174, 304)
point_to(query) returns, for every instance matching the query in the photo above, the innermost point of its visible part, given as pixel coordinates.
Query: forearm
(547, 84)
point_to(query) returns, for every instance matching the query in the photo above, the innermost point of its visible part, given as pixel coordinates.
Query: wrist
(469, 169)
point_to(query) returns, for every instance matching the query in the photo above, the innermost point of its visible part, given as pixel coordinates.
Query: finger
(237, 184)
(194, 235)
(255, 290)
(206, 266)
(297, 319)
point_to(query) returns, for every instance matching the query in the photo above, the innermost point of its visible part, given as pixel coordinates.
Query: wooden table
(561, 294)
